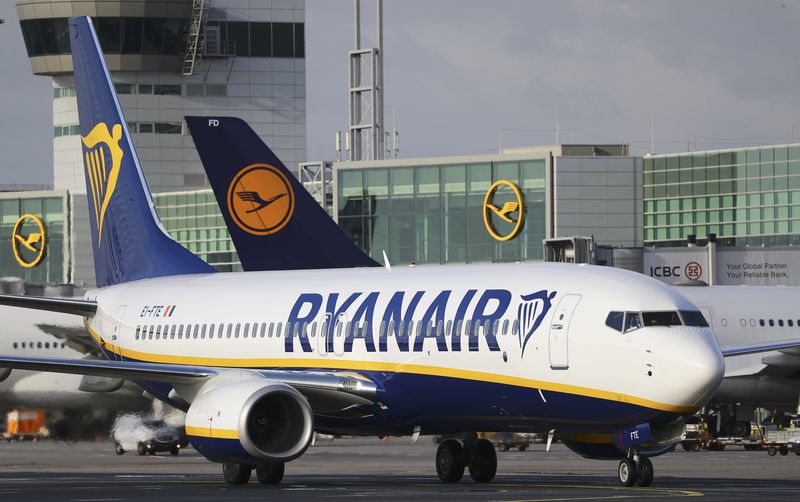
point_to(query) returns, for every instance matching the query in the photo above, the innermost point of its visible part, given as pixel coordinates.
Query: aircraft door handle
(556, 326)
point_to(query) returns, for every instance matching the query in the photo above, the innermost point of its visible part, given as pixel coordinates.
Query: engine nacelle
(251, 421)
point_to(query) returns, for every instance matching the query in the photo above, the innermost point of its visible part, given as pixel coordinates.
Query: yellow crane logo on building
(34, 241)
(511, 211)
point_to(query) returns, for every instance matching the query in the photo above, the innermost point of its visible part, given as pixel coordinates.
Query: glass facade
(193, 219)
(51, 210)
(434, 213)
(166, 36)
(745, 197)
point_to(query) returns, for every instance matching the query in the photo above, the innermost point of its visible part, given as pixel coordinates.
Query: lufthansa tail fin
(274, 222)
(128, 239)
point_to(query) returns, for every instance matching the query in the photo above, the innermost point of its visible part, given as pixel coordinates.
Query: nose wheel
(635, 472)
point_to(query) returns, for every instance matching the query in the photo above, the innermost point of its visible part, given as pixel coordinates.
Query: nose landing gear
(635, 470)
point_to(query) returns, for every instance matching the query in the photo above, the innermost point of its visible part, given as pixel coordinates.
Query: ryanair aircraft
(611, 360)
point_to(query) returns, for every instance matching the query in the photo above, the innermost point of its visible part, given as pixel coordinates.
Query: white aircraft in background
(742, 315)
(259, 361)
(72, 401)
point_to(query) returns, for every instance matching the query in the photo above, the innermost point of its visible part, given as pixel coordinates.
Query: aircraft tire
(644, 472)
(450, 461)
(236, 473)
(626, 472)
(483, 462)
(270, 474)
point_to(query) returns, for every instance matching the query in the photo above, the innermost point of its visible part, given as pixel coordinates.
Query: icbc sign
(693, 271)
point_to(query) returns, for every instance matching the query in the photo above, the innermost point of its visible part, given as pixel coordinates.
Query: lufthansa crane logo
(28, 241)
(512, 212)
(102, 160)
(260, 199)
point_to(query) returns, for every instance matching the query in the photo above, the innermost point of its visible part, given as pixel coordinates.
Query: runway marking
(637, 492)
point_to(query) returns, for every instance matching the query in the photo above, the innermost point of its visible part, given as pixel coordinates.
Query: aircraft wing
(326, 390)
(761, 347)
(84, 308)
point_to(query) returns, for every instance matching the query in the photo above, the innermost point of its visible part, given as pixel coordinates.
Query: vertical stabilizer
(274, 222)
(128, 239)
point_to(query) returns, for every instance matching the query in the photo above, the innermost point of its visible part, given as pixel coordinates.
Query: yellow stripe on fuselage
(391, 367)
(211, 433)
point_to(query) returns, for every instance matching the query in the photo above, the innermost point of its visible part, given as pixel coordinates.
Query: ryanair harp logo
(260, 199)
(102, 159)
(28, 234)
(512, 212)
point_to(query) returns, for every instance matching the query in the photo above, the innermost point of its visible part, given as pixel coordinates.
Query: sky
(467, 77)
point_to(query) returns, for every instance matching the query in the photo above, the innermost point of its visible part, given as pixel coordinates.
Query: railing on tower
(194, 38)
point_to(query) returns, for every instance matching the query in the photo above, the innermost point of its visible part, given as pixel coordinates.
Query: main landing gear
(635, 470)
(239, 474)
(475, 454)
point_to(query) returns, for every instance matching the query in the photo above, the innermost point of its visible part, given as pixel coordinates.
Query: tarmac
(368, 468)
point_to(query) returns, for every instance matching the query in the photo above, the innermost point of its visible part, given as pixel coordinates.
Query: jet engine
(250, 421)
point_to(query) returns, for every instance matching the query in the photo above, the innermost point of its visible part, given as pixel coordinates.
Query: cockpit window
(632, 321)
(661, 319)
(694, 318)
(614, 320)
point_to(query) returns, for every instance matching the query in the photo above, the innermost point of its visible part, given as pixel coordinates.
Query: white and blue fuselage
(503, 346)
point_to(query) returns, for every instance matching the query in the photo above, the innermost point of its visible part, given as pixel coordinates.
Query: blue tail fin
(128, 239)
(274, 222)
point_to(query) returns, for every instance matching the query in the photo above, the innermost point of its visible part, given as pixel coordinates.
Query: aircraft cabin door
(116, 331)
(559, 332)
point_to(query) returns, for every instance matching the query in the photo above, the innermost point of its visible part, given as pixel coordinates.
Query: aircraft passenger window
(238, 328)
(150, 335)
(15, 345)
(63, 345)
(196, 331)
(761, 322)
(271, 326)
(789, 322)
(661, 318)
(614, 320)
(467, 326)
(505, 327)
(263, 329)
(220, 330)
(632, 321)
(278, 331)
(38, 345)
(230, 330)
(382, 330)
(696, 319)
(338, 329)
(180, 332)
(515, 329)
(172, 330)
(752, 323)
(771, 323)
(400, 327)
(780, 322)
(158, 332)
(138, 330)
(203, 333)
(23, 345)
(449, 328)
(47, 345)
(246, 330)
(742, 323)
(313, 329)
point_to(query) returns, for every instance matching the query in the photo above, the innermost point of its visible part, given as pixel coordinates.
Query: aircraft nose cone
(703, 369)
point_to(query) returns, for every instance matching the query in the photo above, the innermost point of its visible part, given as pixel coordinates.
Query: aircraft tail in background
(274, 222)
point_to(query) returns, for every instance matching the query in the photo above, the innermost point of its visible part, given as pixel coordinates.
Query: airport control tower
(168, 59)
(171, 58)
